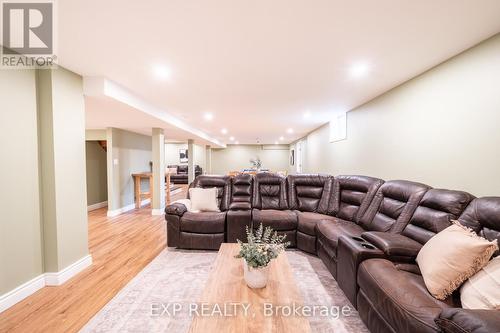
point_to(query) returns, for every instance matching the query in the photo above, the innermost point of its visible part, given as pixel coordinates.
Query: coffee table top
(228, 305)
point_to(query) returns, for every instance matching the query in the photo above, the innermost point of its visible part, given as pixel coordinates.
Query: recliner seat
(239, 215)
(433, 214)
(204, 230)
(270, 206)
(392, 296)
(309, 197)
(351, 197)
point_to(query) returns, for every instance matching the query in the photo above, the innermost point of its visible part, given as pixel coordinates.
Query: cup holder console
(363, 243)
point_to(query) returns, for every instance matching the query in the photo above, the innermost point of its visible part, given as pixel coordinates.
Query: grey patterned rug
(147, 303)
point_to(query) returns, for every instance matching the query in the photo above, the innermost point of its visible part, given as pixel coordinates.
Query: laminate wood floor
(121, 247)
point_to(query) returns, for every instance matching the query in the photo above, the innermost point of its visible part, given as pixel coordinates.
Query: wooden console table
(139, 195)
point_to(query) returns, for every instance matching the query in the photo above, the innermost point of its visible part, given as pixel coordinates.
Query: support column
(190, 161)
(61, 117)
(158, 185)
(208, 159)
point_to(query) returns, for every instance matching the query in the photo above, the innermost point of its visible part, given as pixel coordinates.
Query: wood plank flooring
(121, 247)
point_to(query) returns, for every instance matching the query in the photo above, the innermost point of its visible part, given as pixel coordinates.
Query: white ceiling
(259, 65)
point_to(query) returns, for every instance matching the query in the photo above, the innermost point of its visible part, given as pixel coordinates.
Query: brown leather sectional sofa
(181, 177)
(367, 232)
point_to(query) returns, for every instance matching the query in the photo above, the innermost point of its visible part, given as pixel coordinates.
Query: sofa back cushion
(269, 191)
(435, 213)
(242, 189)
(393, 206)
(182, 169)
(309, 192)
(352, 195)
(483, 216)
(223, 185)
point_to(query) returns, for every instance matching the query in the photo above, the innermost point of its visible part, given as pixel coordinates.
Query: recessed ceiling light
(223, 131)
(282, 138)
(307, 114)
(289, 131)
(237, 143)
(359, 69)
(162, 72)
(276, 142)
(231, 138)
(208, 116)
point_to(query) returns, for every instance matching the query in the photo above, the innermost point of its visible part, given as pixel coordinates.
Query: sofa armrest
(458, 320)
(176, 209)
(395, 246)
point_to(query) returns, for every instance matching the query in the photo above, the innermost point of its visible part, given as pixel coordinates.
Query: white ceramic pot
(255, 277)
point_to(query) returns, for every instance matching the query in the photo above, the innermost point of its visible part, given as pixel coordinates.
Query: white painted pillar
(158, 186)
(190, 161)
(208, 159)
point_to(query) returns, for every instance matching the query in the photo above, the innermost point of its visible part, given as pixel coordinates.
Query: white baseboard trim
(157, 211)
(116, 212)
(97, 206)
(47, 279)
(58, 278)
(18, 294)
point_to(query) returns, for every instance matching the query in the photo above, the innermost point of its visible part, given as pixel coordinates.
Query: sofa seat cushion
(307, 221)
(399, 296)
(203, 222)
(277, 219)
(329, 231)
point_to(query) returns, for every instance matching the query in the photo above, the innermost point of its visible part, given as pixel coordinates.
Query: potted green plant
(262, 246)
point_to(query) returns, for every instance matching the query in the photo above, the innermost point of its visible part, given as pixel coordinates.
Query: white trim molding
(47, 279)
(97, 206)
(116, 212)
(18, 294)
(58, 278)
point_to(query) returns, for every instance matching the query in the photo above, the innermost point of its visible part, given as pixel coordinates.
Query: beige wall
(20, 238)
(97, 190)
(441, 128)
(172, 154)
(237, 157)
(128, 153)
(43, 152)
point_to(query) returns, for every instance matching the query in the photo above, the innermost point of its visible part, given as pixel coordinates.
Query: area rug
(178, 277)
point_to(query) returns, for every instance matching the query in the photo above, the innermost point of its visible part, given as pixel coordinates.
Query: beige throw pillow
(204, 199)
(482, 291)
(451, 257)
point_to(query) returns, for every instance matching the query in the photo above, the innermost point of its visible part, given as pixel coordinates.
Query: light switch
(115, 161)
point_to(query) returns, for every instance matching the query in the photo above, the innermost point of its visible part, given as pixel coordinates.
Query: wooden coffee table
(226, 287)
